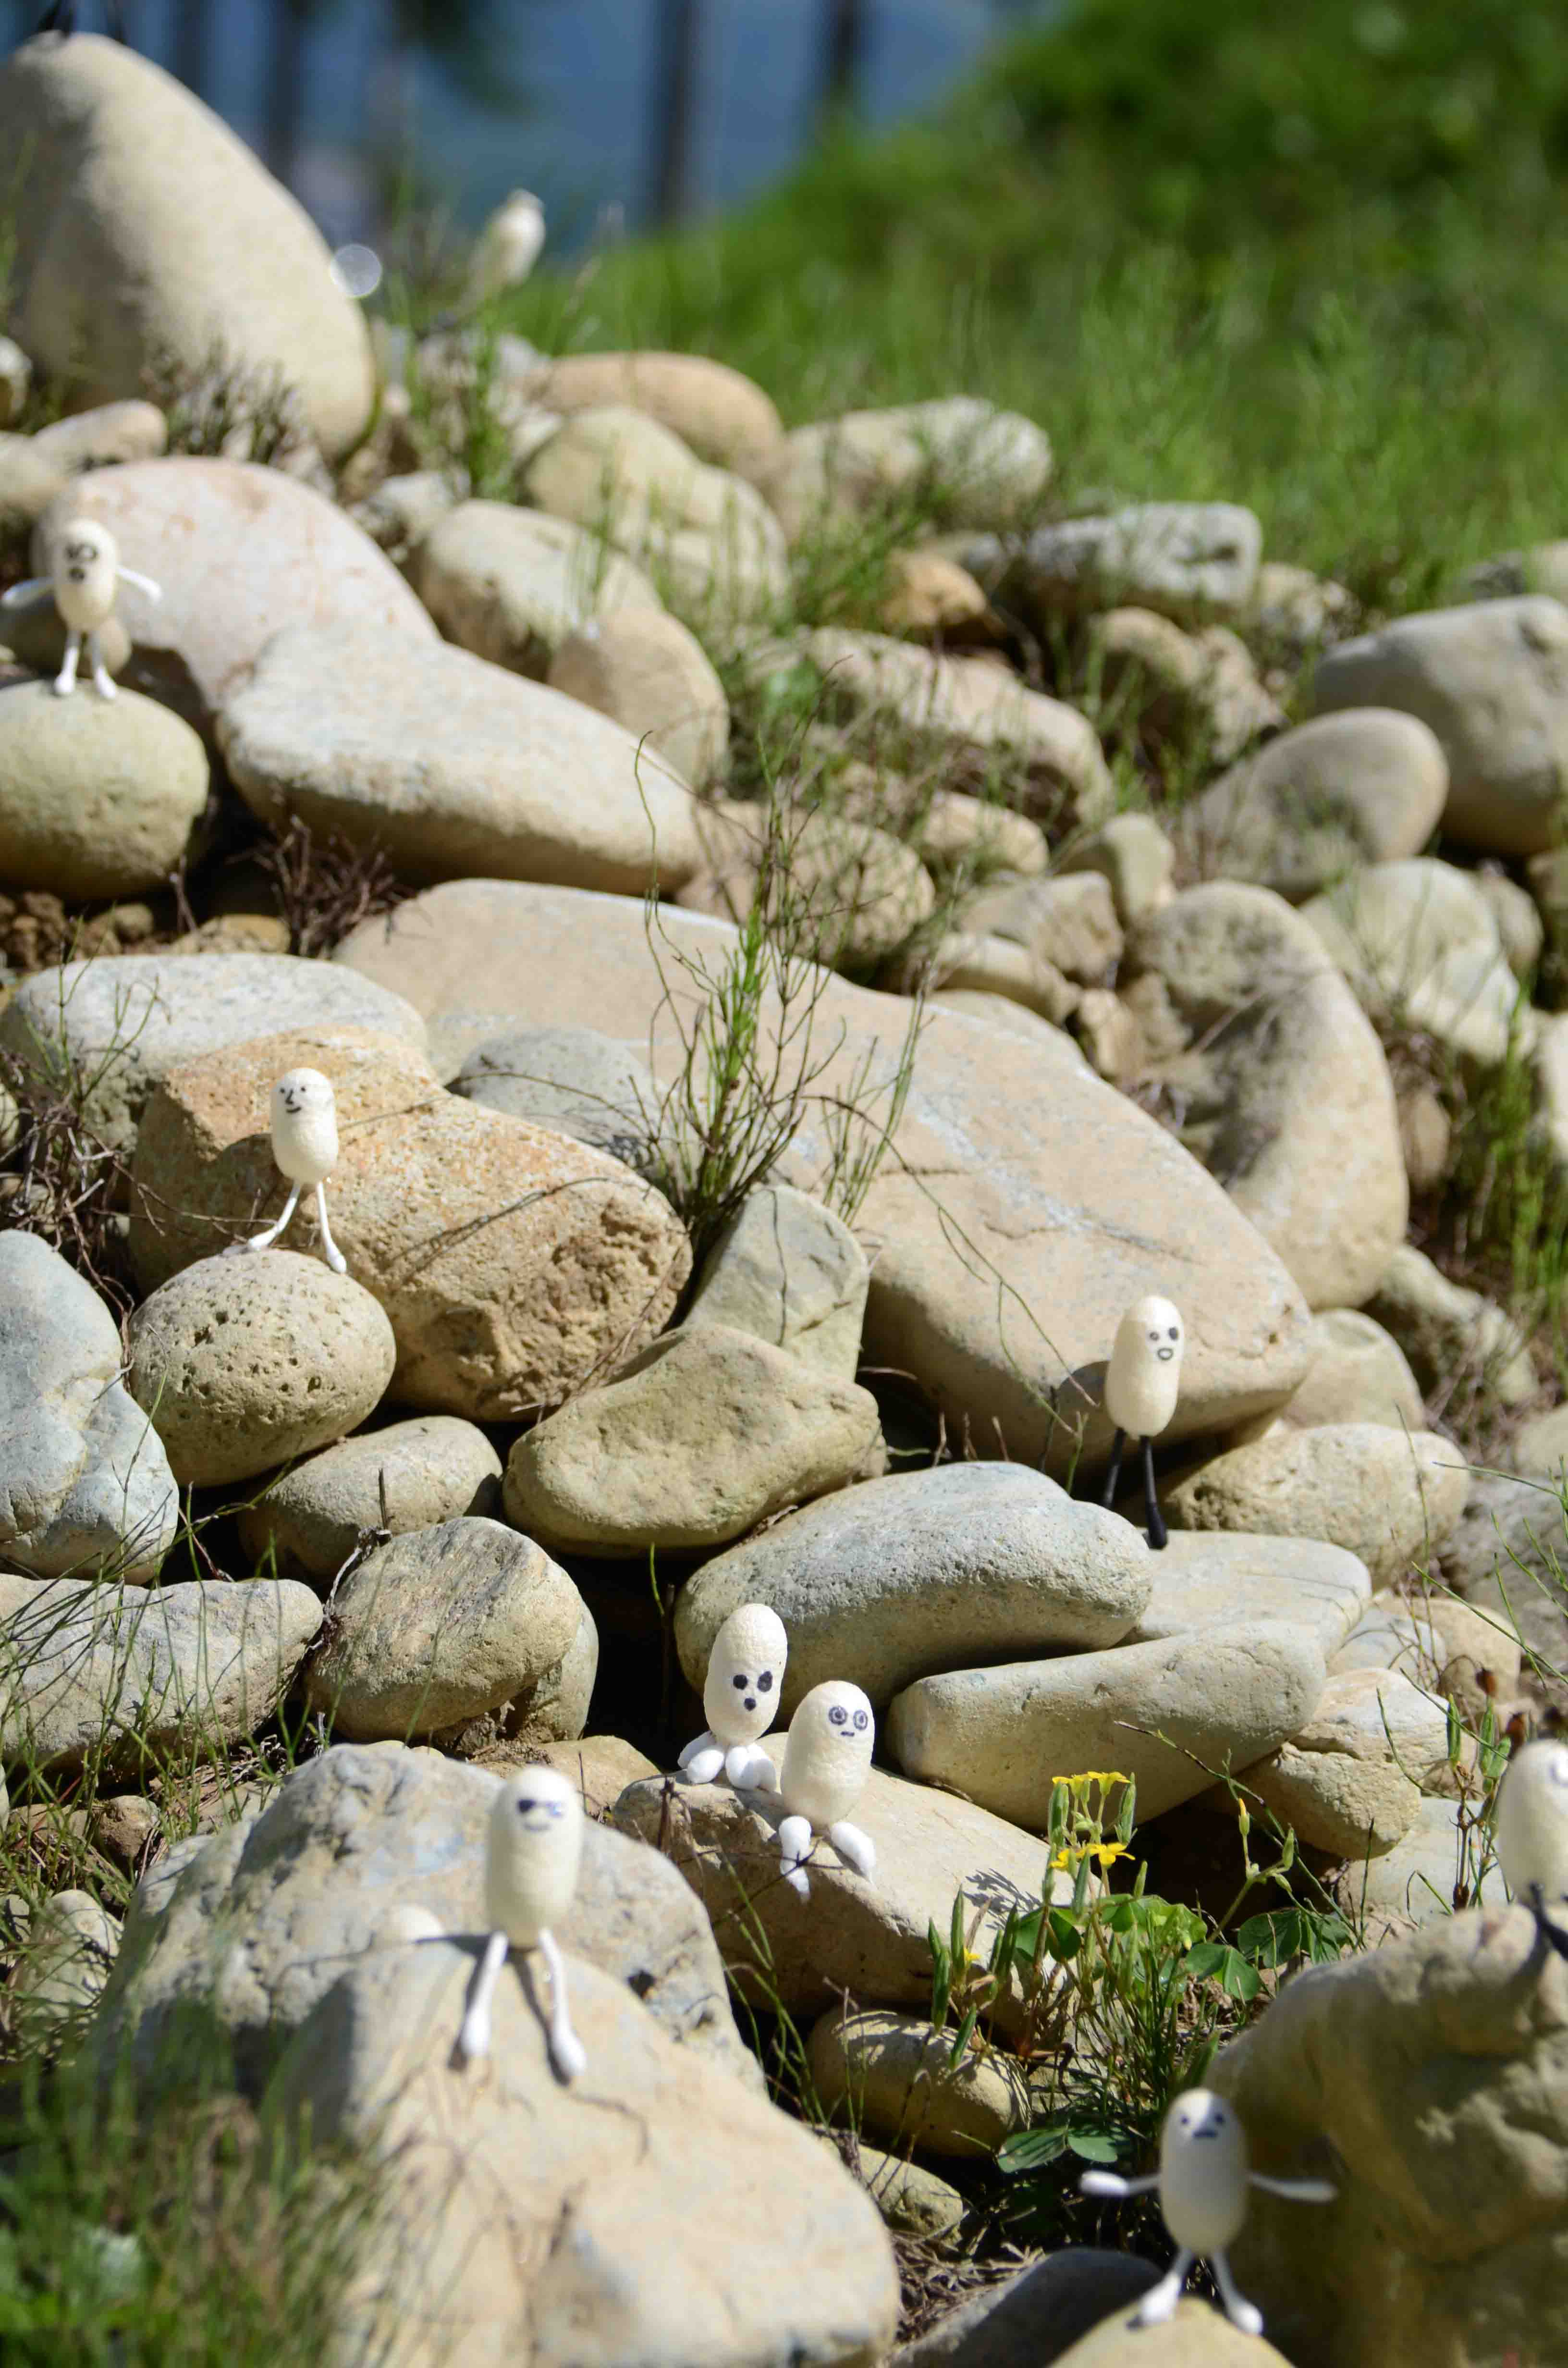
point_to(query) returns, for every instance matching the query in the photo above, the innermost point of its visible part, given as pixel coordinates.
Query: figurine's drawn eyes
(1155, 1337)
(81, 550)
(739, 1683)
(861, 1722)
(839, 1715)
(1175, 1331)
(765, 1681)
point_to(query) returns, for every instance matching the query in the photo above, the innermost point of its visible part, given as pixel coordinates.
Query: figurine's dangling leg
(566, 2049)
(1154, 1518)
(1546, 1929)
(1113, 1473)
(102, 681)
(65, 680)
(856, 1849)
(750, 1769)
(334, 1256)
(264, 1241)
(1159, 2303)
(794, 1849)
(702, 1758)
(474, 2036)
(1238, 2310)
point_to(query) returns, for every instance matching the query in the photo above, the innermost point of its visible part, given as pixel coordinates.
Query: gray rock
(1509, 1556)
(572, 1080)
(242, 1364)
(786, 1269)
(438, 1626)
(63, 1970)
(551, 1713)
(135, 1672)
(908, 2196)
(512, 584)
(86, 1481)
(434, 1467)
(1032, 2319)
(257, 1922)
(927, 1571)
(452, 765)
(124, 1025)
(1190, 560)
(1491, 680)
(649, 672)
(1212, 1578)
(94, 800)
(1419, 944)
(1219, 1697)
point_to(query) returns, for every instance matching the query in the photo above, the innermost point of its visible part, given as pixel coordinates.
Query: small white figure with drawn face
(507, 249)
(1532, 1833)
(740, 1699)
(1141, 1384)
(533, 1850)
(1202, 2181)
(84, 576)
(828, 1759)
(304, 1144)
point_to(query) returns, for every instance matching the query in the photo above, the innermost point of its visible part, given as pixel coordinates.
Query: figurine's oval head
(1203, 2171)
(1143, 1379)
(827, 1755)
(83, 569)
(533, 1851)
(304, 1125)
(745, 1673)
(1531, 1826)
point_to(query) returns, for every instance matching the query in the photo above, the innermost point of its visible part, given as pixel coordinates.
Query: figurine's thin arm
(857, 1849)
(566, 2049)
(1299, 2190)
(22, 596)
(1111, 2183)
(473, 2037)
(142, 582)
(334, 1256)
(1238, 2310)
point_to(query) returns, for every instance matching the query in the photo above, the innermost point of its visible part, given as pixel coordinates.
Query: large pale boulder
(123, 265)
(1210, 1579)
(1420, 945)
(1397, 2072)
(408, 1475)
(788, 1270)
(513, 585)
(451, 766)
(85, 1483)
(512, 1263)
(926, 1571)
(241, 551)
(1491, 680)
(1391, 1497)
(1283, 1088)
(121, 1026)
(1198, 2337)
(94, 800)
(1167, 1714)
(1023, 1209)
(723, 417)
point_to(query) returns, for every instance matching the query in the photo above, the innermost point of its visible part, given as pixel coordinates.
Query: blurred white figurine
(507, 249)
(84, 577)
(1532, 1833)
(532, 1853)
(1202, 2180)
(828, 1758)
(740, 1696)
(1141, 1384)
(304, 1144)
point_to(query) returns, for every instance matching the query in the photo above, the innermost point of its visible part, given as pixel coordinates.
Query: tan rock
(1419, 945)
(977, 465)
(29, 483)
(513, 585)
(1352, 1808)
(61, 1974)
(104, 436)
(1446, 1330)
(432, 1469)
(94, 800)
(1190, 560)
(968, 963)
(1381, 1716)
(620, 474)
(854, 894)
(893, 2075)
(1358, 1373)
(724, 417)
(1136, 857)
(601, 1766)
(1200, 686)
(957, 828)
(1212, 1578)
(671, 1453)
(786, 1269)
(451, 1214)
(652, 676)
(910, 2197)
(1198, 2337)
(1069, 921)
(929, 596)
(1426, 1138)
(1391, 1499)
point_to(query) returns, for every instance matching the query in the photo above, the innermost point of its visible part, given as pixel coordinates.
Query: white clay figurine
(1202, 2181)
(86, 575)
(304, 1144)
(740, 1698)
(532, 1854)
(1532, 1833)
(828, 1758)
(1141, 1384)
(507, 249)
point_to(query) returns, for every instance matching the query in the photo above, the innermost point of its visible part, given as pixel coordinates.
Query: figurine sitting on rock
(828, 1759)
(87, 573)
(533, 1850)
(740, 1698)
(304, 1144)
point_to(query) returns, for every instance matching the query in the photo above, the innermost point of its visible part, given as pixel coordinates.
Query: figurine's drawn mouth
(750, 1702)
(1164, 1355)
(538, 1821)
(78, 574)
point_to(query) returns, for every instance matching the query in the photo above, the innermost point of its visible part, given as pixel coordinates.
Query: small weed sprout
(228, 409)
(324, 885)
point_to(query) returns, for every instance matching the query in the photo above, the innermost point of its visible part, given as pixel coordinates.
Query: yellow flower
(1100, 1776)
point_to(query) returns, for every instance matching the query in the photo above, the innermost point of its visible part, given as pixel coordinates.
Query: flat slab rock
(1208, 1579)
(1028, 1206)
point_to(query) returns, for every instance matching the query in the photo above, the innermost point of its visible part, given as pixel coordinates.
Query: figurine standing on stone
(85, 579)
(1141, 1386)
(304, 1144)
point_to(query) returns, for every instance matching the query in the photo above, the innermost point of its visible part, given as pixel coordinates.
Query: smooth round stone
(435, 1468)
(1392, 1498)
(572, 1080)
(786, 1269)
(1352, 1808)
(1358, 1373)
(242, 1364)
(651, 674)
(890, 2073)
(514, 584)
(98, 797)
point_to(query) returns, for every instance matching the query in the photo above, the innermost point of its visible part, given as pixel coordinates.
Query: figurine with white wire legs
(83, 578)
(304, 1144)
(1141, 1384)
(828, 1759)
(1531, 1835)
(740, 1697)
(1202, 2184)
(532, 1853)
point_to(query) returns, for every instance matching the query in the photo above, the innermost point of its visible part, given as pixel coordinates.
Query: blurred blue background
(580, 100)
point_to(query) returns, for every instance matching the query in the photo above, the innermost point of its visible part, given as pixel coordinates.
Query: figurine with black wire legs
(1532, 1835)
(1141, 1384)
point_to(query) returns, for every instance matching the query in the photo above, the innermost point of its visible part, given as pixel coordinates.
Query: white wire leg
(856, 1849)
(702, 1757)
(65, 680)
(1159, 2303)
(750, 1769)
(333, 1255)
(264, 1241)
(1238, 2310)
(103, 682)
(566, 2049)
(474, 2036)
(794, 1849)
